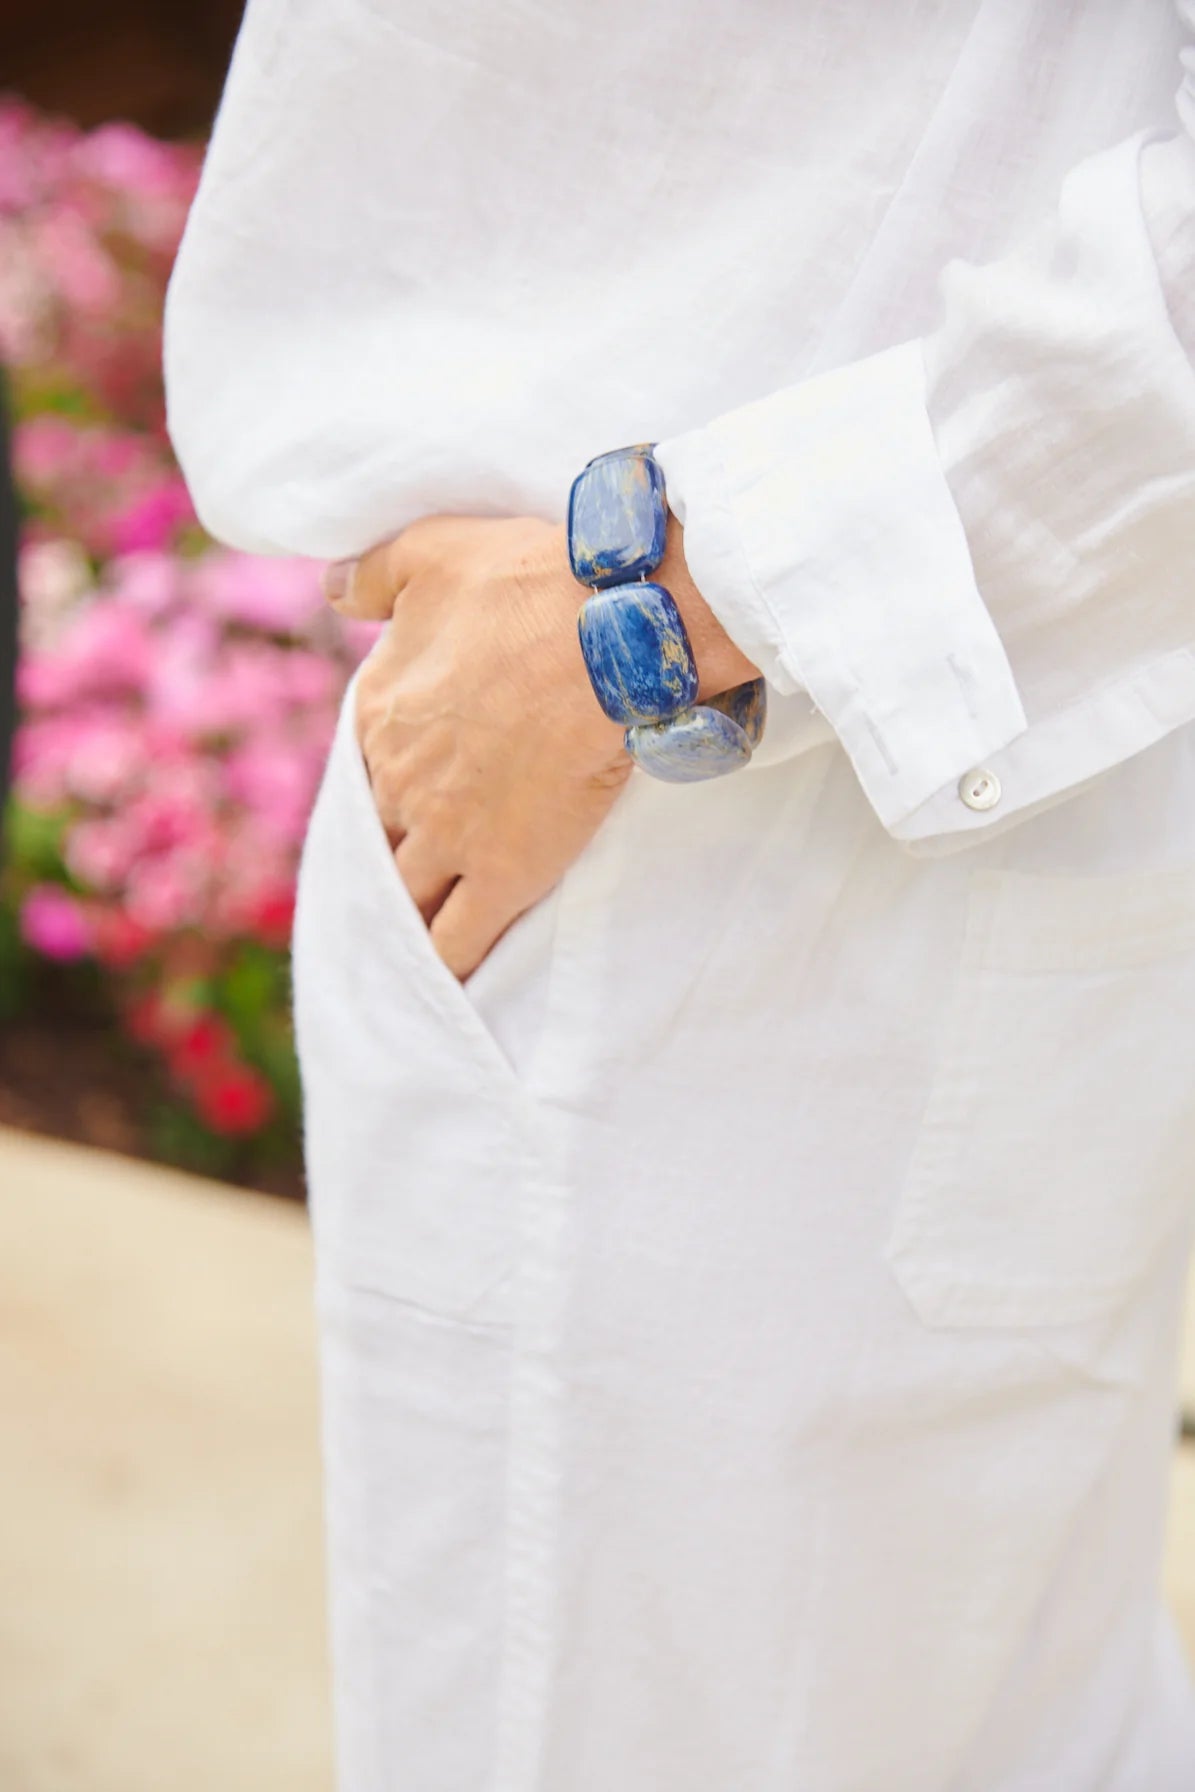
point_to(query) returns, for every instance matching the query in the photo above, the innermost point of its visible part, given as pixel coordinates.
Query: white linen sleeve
(976, 551)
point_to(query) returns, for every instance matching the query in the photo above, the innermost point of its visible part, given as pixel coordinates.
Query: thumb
(365, 586)
(368, 585)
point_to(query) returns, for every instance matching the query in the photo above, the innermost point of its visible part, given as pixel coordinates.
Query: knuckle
(495, 875)
(439, 814)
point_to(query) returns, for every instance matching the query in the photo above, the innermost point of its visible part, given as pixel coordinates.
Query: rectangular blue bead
(617, 518)
(637, 653)
(702, 742)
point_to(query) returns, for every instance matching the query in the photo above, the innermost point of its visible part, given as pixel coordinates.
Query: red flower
(272, 918)
(234, 1099)
(204, 1043)
(119, 940)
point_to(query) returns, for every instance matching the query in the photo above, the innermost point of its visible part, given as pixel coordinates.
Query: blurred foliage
(177, 699)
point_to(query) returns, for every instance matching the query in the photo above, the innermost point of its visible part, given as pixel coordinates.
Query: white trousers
(748, 1308)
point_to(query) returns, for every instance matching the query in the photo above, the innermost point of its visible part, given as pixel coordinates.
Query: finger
(367, 587)
(424, 873)
(468, 924)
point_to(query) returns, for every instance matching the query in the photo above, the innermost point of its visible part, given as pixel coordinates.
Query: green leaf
(252, 987)
(34, 841)
(273, 1052)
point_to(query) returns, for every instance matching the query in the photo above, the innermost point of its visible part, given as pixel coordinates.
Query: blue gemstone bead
(617, 518)
(637, 652)
(702, 743)
(746, 704)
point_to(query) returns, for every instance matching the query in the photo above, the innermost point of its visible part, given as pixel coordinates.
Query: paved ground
(161, 1611)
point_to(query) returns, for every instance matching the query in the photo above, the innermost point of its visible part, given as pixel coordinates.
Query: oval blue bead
(617, 518)
(746, 704)
(702, 743)
(637, 652)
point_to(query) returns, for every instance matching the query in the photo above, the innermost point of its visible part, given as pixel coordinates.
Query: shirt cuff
(821, 531)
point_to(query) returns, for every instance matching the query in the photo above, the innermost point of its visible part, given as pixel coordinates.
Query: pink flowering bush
(177, 699)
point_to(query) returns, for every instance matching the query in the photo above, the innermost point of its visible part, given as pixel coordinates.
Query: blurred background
(175, 699)
(160, 1570)
(161, 1585)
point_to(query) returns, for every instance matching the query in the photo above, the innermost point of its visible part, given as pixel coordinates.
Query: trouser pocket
(415, 1125)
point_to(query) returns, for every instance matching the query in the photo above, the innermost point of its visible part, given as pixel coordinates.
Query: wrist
(587, 719)
(720, 664)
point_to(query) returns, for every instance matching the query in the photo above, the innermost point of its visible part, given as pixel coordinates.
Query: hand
(491, 762)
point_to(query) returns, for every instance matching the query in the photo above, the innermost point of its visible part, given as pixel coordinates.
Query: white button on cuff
(979, 789)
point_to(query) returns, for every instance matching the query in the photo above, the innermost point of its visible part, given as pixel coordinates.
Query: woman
(750, 1213)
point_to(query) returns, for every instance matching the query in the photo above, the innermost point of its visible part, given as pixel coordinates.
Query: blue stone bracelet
(636, 647)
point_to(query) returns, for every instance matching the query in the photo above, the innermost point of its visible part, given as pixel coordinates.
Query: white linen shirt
(748, 1305)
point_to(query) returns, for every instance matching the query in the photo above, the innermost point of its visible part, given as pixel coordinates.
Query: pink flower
(311, 681)
(151, 521)
(84, 274)
(44, 682)
(18, 181)
(54, 923)
(147, 581)
(178, 691)
(124, 158)
(26, 327)
(113, 454)
(53, 576)
(101, 852)
(44, 448)
(274, 782)
(107, 758)
(178, 709)
(166, 892)
(34, 155)
(108, 489)
(175, 808)
(87, 752)
(106, 649)
(112, 645)
(239, 687)
(280, 596)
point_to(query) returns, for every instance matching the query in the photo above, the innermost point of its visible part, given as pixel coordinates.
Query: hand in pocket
(490, 761)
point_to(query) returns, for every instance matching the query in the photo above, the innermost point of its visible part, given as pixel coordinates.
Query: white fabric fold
(821, 529)
(974, 551)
